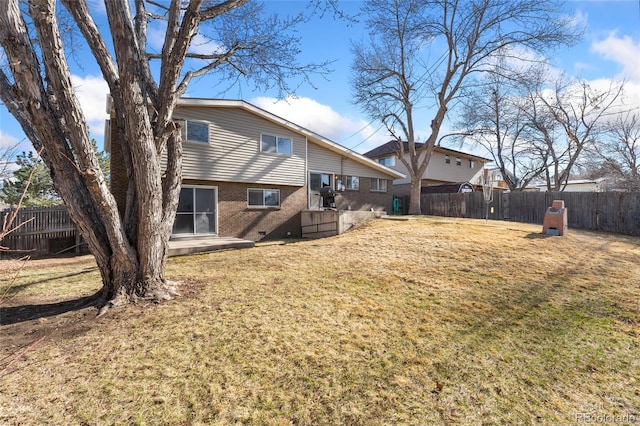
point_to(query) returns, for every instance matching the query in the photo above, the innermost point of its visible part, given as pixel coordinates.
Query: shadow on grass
(17, 314)
(536, 235)
(17, 288)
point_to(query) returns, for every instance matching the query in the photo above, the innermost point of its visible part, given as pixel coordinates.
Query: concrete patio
(184, 246)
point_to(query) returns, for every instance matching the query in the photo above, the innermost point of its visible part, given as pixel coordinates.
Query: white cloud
(9, 147)
(155, 36)
(204, 46)
(631, 97)
(623, 50)
(582, 66)
(355, 133)
(7, 140)
(199, 43)
(92, 94)
(579, 20)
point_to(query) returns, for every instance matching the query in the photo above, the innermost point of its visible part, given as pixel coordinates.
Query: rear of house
(249, 174)
(447, 166)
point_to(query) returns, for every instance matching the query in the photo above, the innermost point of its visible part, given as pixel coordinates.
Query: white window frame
(264, 204)
(378, 180)
(391, 160)
(215, 201)
(186, 132)
(278, 139)
(350, 178)
(472, 164)
(458, 161)
(447, 159)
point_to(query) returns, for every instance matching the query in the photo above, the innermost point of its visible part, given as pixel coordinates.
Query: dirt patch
(21, 338)
(28, 322)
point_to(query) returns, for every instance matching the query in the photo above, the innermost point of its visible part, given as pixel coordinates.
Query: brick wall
(119, 180)
(235, 219)
(365, 199)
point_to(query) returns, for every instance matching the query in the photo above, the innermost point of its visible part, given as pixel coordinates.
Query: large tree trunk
(414, 197)
(35, 85)
(131, 263)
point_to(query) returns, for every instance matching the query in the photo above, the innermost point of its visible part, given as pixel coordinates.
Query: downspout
(306, 171)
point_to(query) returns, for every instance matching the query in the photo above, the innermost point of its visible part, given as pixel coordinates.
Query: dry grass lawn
(431, 321)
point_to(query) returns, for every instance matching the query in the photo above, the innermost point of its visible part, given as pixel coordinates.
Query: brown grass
(432, 321)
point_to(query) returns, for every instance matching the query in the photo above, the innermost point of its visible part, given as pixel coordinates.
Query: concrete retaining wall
(326, 223)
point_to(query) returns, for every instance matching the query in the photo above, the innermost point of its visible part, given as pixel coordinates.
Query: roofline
(315, 137)
(441, 148)
(438, 148)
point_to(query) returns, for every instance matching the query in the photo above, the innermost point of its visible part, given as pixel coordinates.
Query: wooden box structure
(555, 219)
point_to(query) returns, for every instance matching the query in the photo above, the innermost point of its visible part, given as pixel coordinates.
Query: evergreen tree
(40, 191)
(104, 161)
(37, 187)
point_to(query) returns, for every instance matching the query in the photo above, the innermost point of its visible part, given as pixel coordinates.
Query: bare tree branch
(431, 51)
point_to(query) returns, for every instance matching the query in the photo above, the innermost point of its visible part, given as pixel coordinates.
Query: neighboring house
(498, 182)
(249, 174)
(448, 188)
(580, 185)
(446, 166)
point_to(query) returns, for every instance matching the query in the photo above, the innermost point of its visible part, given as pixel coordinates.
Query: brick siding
(119, 180)
(364, 198)
(236, 219)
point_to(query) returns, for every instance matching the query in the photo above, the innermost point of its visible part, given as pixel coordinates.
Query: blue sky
(610, 50)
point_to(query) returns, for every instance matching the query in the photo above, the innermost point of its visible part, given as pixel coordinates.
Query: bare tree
(569, 119)
(9, 223)
(620, 150)
(493, 117)
(7, 154)
(35, 85)
(422, 54)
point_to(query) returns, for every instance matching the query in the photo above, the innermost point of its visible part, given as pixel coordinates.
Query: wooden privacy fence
(41, 230)
(617, 212)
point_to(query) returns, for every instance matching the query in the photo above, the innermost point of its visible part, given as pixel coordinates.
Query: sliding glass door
(197, 213)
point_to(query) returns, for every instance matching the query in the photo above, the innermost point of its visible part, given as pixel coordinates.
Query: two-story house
(249, 174)
(447, 166)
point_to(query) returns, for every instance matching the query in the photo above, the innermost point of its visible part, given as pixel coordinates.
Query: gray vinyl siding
(324, 160)
(233, 153)
(439, 171)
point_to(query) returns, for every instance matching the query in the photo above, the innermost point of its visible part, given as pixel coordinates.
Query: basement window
(350, 183)
(263, 198)
(378, 185)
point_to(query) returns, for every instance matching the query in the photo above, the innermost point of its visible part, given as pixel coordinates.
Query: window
(351, 183)
(458, 161)
(378, 185)
(266, 198)
(275, 144)
(196, 131)
(387, 161)
(447, 159)
(472, 164)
